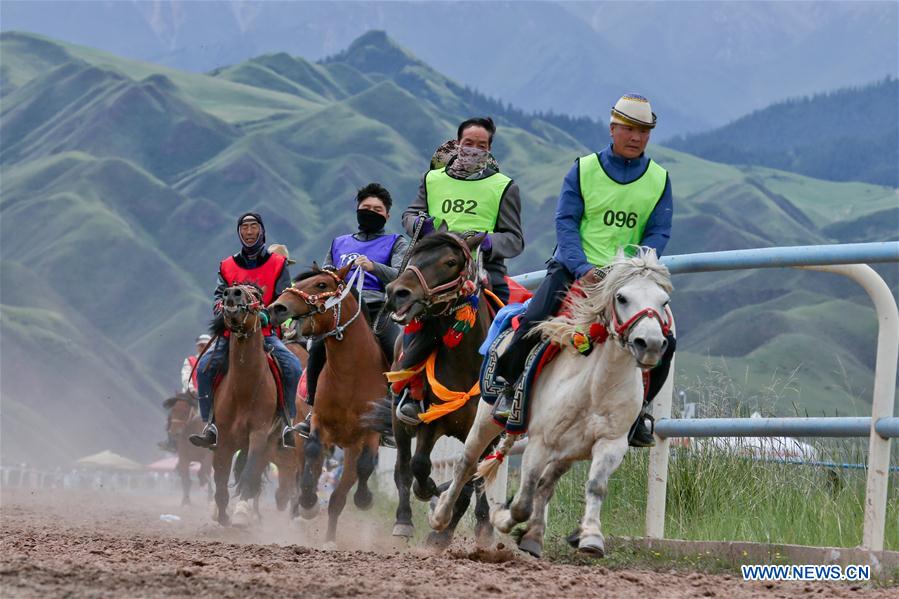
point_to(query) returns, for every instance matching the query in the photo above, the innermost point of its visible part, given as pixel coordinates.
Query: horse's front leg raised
(221, 468)
(402, 477)
(479, 437)
(337, 501)
(607, 456)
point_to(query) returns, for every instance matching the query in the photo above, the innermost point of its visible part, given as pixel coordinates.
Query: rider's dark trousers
(317, 356)
(216, 358)
(545, 303)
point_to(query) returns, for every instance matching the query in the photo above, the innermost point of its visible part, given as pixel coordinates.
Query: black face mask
(370, 221)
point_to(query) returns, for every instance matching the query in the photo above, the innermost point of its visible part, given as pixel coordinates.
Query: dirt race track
(106, 545)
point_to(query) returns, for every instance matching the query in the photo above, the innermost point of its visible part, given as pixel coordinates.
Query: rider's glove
(487, 243)
(264, 317)
(427, 227)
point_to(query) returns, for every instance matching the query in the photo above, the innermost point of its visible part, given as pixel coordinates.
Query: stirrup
(287, 433)
(304, 429)
(407, 420)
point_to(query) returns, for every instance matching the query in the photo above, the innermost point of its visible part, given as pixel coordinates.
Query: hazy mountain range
(122, 181)
(702, 63)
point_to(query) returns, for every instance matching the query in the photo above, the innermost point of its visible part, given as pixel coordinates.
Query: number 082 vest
(615, 214)
(465, 205)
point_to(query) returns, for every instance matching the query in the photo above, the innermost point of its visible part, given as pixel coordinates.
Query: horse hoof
(364, 500)
(310, 513)
(574, 539)
(403, 530)
(531, 547)
(439, 540)
(592, 545)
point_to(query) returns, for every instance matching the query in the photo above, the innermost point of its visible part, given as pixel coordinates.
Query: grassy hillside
(121, 183)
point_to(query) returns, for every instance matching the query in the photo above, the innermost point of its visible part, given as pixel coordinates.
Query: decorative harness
(332, 300)
(463, 286)
(254, 307)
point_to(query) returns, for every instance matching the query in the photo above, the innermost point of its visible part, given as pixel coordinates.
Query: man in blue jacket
(609, 199)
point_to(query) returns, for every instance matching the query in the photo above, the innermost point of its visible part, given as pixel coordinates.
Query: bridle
(331, 300)
(463, 286)
(252, 308)
(622, 330)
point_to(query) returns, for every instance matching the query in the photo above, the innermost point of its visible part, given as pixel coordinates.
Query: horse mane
(434, 241)
(596, 305)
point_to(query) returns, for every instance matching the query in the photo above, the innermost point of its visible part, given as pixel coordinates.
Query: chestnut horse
(185, 421)
(440, 280)
(351, 381)
(245, 406)
(290, 461)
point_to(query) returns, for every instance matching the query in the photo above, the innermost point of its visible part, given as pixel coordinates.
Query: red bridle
(624, 329)
(462, 286)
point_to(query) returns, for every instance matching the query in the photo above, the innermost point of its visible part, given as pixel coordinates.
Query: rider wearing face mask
(379, 254)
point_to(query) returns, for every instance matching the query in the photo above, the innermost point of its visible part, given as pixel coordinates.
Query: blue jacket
(570, 210)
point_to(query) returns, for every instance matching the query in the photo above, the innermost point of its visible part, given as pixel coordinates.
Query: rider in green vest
(610, 199)
(468, 193)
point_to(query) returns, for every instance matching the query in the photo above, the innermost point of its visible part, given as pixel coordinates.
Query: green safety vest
(465, 205)
(615, 214)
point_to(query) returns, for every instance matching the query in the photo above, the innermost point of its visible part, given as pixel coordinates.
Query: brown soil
(105, 545)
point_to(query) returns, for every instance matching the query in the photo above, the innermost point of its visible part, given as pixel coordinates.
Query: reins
(333, 300)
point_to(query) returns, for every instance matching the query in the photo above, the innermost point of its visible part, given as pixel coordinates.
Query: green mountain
(122, 181)
(847, 135)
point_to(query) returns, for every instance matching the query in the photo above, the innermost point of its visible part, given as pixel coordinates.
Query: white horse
(582, 407)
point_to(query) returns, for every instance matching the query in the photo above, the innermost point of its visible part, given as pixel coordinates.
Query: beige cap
(633, 110)
(281, 250)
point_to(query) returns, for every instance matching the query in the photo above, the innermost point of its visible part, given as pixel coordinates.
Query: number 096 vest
(615, 214)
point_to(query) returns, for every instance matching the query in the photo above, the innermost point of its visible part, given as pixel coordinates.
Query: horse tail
(489, 466)
(379, 416)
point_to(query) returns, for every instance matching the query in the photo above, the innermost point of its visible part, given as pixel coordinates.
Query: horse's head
(306, 299)
(181, 405)
(241, 305)
(634, 297)
(440, 270)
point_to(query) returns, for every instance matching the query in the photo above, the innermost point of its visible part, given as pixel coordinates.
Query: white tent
(110, 460)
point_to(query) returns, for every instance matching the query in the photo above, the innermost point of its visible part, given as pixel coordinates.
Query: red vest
(266, 276)
(192, 360)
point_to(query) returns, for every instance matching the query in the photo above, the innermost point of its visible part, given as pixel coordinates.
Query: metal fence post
(883, 399)
(657, 478)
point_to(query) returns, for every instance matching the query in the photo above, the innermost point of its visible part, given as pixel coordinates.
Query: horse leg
(183, 468)
(250, 483)
(221, 466)
(205, 478)
(365, 465)
(607, 456)
(338, 498)
(483, 529)
(312, 470)
(423, 485)
(532, 539)
(442, 539)
(402, 477)
(482, 432)
(519, 509)
(287, 479)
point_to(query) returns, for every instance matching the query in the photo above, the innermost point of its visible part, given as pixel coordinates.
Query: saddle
(538, 358)
(276, 374)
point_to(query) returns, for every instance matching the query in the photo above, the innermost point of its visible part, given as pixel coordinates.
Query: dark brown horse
(437, 283)
(245, 406)
(184, 420)
(352, 379)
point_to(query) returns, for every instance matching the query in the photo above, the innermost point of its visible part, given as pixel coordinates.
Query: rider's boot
(208, 439)
(407, 409)
(640, 434)
(304, 429)
(503, 405)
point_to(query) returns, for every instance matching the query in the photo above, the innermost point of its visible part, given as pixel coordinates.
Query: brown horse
(352, 379)
(245, 407)
(438, 282)
(184, 421)
(290, 461)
